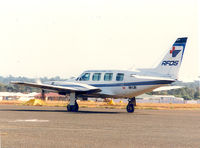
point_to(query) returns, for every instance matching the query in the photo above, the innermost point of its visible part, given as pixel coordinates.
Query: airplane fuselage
(113, 83)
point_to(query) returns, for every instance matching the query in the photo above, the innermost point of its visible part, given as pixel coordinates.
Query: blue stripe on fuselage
(133, 83)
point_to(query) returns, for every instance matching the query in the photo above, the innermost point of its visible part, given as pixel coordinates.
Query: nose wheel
(131, 105)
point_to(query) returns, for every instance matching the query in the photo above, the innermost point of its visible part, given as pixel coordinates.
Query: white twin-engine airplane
(118, 83)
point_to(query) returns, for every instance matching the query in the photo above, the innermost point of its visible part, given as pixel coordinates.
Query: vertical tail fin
(171, 63)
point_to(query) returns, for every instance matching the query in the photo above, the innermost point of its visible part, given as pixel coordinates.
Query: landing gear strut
(73, 105)
(131, 105)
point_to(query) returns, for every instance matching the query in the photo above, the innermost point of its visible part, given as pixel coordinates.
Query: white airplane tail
(171, 63)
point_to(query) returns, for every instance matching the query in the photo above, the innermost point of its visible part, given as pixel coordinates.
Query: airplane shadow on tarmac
(79, 112)
(98, 112)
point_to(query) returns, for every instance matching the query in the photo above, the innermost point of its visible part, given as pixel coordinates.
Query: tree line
(188, 92)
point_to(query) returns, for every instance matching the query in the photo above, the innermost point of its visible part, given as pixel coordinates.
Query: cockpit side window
(108, 76)
(96, 77)
(85, 77)
(120, 77)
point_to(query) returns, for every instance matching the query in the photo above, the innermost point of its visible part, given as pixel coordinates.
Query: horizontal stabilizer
(167, 88)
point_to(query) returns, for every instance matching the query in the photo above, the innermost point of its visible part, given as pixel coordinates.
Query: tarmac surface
(54, 127)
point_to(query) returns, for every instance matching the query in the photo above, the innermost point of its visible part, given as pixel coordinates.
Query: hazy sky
(65, 37)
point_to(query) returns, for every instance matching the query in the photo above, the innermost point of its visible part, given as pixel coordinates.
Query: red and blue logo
(174, 52)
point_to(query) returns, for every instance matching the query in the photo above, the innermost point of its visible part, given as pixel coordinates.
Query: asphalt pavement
(54, 127)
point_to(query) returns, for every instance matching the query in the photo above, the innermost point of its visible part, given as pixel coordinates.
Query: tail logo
(174, 52)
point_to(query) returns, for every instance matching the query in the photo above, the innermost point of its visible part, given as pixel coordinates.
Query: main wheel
(72, 108)
(130, 108)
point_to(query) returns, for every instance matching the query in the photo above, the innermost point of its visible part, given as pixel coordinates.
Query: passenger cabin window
(108, 76)
(96, 76)
(85, 77)
(120, 77)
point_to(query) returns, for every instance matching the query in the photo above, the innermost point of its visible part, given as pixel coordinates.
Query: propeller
(38, 81)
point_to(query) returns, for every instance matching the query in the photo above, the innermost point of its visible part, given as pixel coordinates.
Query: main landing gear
(131, 105)
(73, 105)
(73, 108)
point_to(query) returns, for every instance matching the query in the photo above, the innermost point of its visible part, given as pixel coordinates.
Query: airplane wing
(67, 88)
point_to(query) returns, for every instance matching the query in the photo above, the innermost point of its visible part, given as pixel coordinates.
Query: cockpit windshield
(85, 77)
